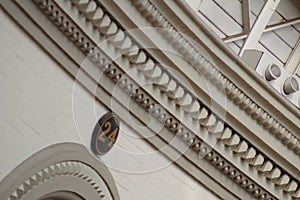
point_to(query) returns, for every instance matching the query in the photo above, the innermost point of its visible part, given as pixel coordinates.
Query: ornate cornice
(205, 67)
(139, 58)
(229, 138)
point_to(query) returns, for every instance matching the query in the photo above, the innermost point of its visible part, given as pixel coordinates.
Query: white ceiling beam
(294, 58)
(272, 27)
(246, 15)
(283, 24)
(259, 25)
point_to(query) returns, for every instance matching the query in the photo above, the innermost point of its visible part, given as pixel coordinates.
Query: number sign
(105, 133)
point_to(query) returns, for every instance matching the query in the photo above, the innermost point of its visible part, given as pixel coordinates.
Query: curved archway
(60, 171)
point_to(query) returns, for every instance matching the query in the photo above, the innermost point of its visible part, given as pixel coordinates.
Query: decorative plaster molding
(137, 57)
(204, 66)
(237, 144)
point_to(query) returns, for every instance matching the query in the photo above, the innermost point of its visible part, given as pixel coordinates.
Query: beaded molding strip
(107, 27)
(205, 67)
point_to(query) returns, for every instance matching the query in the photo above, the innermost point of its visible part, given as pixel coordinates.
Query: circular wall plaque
(105, 133)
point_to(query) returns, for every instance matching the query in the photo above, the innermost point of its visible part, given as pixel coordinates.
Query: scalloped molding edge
(63, 168)
(54, 161)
